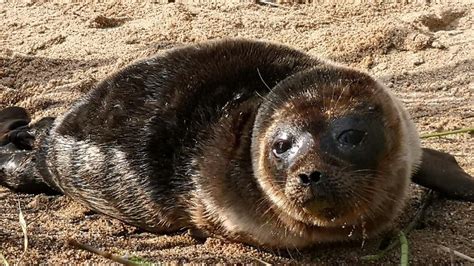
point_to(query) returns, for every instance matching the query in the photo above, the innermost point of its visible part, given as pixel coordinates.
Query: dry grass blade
(3, 260)
(260, 261)
(102, 253)
(456, 253)
(22, 221)
(269, 3)
(446, 133)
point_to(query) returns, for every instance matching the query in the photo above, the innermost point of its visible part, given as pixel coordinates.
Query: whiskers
(335, 104)
(273, 104)
(369, 194)
(263, 81)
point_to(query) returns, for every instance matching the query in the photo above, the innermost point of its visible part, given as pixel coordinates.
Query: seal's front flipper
(440, 172)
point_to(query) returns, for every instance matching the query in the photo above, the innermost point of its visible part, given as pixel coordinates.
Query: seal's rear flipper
(440, 172)
(20, 164)
(13, 127)
(14, 113)
(19, 173)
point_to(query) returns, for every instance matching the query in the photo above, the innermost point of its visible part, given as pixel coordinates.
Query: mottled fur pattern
(181, 140)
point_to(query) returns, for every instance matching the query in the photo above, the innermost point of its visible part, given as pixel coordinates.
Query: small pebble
(418, 61)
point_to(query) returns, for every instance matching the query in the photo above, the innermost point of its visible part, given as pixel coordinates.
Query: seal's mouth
(323, 208)
(327, 212)
(340, 195)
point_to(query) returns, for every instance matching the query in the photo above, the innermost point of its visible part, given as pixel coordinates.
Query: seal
(247, 140)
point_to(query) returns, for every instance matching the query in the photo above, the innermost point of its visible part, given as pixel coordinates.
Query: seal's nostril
(304, 179)
(351, 137)
(315, 177)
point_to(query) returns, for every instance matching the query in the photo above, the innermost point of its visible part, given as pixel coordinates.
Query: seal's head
(332, 147)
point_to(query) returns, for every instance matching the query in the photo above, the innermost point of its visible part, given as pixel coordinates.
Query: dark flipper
(14, 112)
(440, 172)
(18, 171)
(19, 165)
(13, 127)
(21, 138)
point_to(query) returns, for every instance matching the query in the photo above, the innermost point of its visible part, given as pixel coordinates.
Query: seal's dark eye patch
(281, 146)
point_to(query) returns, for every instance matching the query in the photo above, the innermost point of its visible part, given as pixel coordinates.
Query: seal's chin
(323, 210)
(334, 211)
(327, 213)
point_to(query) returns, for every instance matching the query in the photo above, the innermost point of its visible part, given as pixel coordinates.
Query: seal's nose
(357, 139)
(313, 178)
(317, 183)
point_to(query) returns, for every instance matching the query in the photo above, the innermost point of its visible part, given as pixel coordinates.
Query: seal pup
(250, 141)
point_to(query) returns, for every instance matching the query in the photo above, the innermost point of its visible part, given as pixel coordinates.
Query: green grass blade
(403, 249)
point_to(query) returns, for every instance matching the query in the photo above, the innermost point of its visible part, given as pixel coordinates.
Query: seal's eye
(281, 146)
(351, 137)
